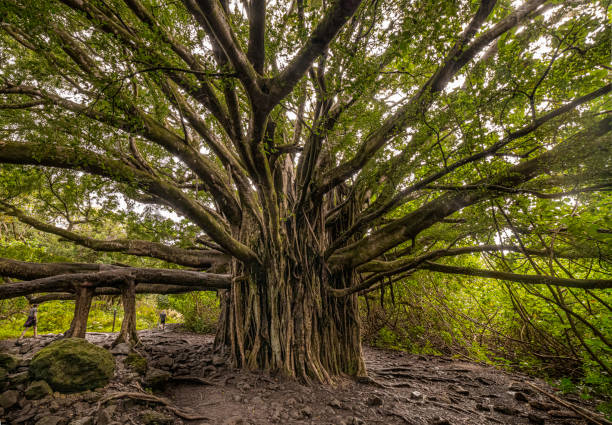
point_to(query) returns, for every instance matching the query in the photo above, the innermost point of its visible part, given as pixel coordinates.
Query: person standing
(31, 321)
(162, 319)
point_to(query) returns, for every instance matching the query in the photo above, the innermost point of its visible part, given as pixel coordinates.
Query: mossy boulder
(72, 365)
(8, 361)
(136, 362)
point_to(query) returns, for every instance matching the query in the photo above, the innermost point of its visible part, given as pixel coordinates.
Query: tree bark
(78, 327)
(128, 332)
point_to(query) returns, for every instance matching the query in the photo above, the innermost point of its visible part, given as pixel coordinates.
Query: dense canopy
(295, 155)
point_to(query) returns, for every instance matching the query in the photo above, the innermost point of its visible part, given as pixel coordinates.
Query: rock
(483, 407)
(165, 362)
(516, 386)
(8, 399)
(51, 420)
(458, 389)
(437, 420)
(37, 390)
(237, 398)
(257, 400)
(218, 360)
(136, 362)
(121, 349)
(335, 403)
(306, 412)
(534, 418)
(505, 410)
(72, 365)
(105, 416)
(87, 420)
(156, 378)
(538, 405)
(374, 400)
(8, 361)
(416, 395)
(151, 417)
(519, 396)
(18, 378)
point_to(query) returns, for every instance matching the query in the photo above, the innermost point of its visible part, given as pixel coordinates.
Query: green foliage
(200, 310)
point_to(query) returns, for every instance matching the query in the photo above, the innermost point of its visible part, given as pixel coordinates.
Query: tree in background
(314, 151)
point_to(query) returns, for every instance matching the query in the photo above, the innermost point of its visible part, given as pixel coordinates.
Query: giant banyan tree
(312, 151)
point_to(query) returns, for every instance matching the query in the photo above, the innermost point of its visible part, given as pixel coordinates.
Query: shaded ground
(406, 389)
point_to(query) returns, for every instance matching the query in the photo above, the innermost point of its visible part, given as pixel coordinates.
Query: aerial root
(153, 399)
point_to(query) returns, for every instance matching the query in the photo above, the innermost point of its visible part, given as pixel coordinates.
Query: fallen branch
(579, 410)
(151, 398)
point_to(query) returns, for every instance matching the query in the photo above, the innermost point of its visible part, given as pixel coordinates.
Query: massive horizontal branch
(522, 278)
(587, 143)
(141, 288)
(84, 160)
(399, 264)
(115, 277)
(183, 257)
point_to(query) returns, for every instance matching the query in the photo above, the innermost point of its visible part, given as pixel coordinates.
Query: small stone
(416, 395)
(335, 403)
(437, 420)
(534, 418)
(18, 378)
(53, 406)
(306, 412)
(121, 349)
(374, 401)
(257, 400)
(87, 420)
(237, 398)
(37, 390)
(519, 396)
(8, 399)
(458, 389)
(538, 405)
(105, 415)
(483, 407)
(156, 378)
(244, 386)
(151, 417)
(505, 410)
(51, 420)
(165, 362)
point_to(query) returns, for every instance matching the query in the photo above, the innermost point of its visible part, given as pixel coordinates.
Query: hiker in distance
(162, 320)
(31, 321)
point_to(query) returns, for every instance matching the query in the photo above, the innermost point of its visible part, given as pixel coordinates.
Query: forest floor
(405, 389)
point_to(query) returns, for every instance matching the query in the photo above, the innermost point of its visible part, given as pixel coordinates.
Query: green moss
(8, 362)
(72, 365)
(136, 362)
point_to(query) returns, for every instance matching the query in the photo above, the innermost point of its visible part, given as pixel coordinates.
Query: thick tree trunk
(78, 327)
(280, 316)
(128, 332)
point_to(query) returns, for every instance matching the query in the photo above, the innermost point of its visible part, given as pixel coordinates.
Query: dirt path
(406, 389)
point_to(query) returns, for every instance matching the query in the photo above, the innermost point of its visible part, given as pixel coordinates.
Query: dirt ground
(402, 389)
